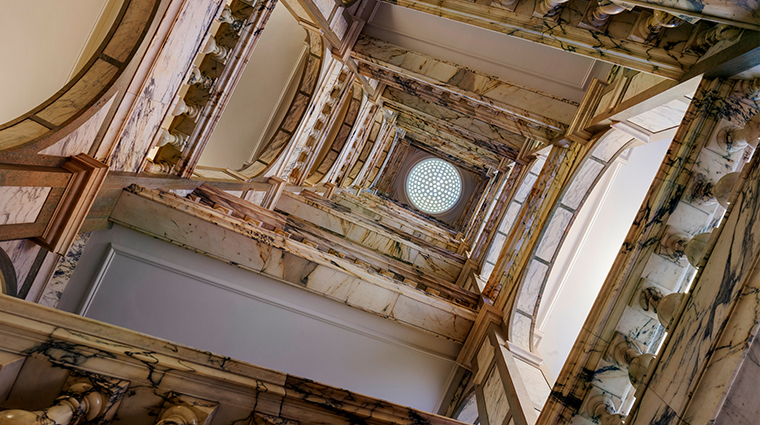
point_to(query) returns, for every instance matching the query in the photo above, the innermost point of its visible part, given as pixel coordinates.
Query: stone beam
(668, 61)
(458, 104)
(389, 63)
(273, 254)
(487, 136)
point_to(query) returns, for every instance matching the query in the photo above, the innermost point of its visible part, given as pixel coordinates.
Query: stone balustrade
(110, 374)
(216, 70)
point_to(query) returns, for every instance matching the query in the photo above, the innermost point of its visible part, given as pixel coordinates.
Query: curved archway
(91, 85)
(524, 310)
(331, 151)
(276, 145)
(8, 284)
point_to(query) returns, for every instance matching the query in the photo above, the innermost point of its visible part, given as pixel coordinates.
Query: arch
(331, 152)
(92, 85)
(524, 310)
(8, 284)
(304, 97)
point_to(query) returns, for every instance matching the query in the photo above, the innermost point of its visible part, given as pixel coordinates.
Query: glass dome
(433, 186)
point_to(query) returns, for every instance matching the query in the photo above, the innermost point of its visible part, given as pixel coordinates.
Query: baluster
(709, 192)
(216, 50)
(187, 108)
(636, 362)
(158, 167)
(601, 408)
(200, 79)
(646, 29)
(173, 138)
(178, 415)
(547, 7)
(600, 15)
(664, 305)
(679, 244)
(505, 4)
(230, 19)
(732, 138)
(82, 401)
(713, 36)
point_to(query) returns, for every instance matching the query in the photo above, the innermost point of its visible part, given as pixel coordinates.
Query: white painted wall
(258, 93)
(590, 249)
(163, 290)
(41, 43)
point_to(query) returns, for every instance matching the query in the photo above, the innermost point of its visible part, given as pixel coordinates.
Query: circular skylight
(433, 186)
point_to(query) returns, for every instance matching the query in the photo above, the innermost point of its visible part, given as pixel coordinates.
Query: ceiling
(511, 59)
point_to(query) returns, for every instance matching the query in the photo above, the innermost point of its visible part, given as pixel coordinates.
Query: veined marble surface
(518, 101)
(175, 57)
(157, 371)
(218, 235)
(21, 204)
(80, 140)
(52, 292)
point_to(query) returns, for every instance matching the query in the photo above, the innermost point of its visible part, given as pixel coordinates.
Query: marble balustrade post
(647, 28)
(178, 415)
(547, 7)
(603, 11)
(81, 402)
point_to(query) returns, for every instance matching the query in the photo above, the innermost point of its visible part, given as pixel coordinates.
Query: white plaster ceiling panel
(553, 71)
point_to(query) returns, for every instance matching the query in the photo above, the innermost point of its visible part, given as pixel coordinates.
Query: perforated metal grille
(434, 186)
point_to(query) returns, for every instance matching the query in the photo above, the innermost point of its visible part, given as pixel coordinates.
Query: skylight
(434, 186)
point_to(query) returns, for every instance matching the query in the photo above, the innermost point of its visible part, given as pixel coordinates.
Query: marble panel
(530, 292)
(666, 273)
(662, 117)
(535, 382)
(583, 182)
(373, 298)
(338, 285)
(487, 270)
(553, 234)
(610, 145)
(80, 94)
(80, 140)
(495, 249)
(639, 83)
(509, 217)
(611, 378)
(520, 330)
(160, 86)
(22, 254)
(142, 123)
(714, 166)
(495, 398)
(295, 113)
(22, 132)
(688, 219)
(21, 204)
(525, 187)
(312, 214)
(438, 266)
(432, 318)
(637, 326)
(129, 30)
(64, 268)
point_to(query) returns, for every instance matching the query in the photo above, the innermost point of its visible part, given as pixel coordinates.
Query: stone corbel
(274, 192)
(88, 175)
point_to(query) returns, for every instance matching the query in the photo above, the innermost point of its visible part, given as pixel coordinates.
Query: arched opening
(64, 38)
(262, 96)
(592, 243)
